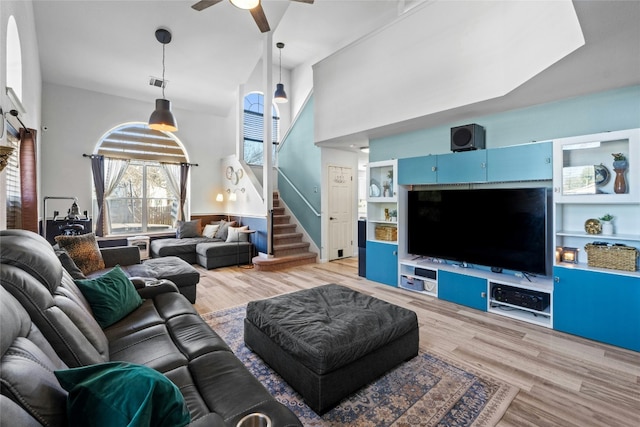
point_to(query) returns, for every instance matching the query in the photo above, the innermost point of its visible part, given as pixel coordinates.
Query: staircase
(288, 248)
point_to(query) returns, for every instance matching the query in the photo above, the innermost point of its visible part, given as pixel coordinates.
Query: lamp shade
(245, 4)
(162, 118)
(280, 96)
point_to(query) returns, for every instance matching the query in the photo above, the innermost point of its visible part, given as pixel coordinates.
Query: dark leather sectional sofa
(48, 325)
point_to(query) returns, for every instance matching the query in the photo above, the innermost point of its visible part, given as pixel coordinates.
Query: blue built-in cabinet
(382, 263)
(597, 305)
(527, 162)
(464, 166)
(417, 170)
(463, 289)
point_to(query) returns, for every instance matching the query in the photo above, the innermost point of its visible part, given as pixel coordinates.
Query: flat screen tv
(502, 228)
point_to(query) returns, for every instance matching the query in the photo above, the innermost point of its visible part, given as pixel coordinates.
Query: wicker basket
(385, 232)
(615, 257)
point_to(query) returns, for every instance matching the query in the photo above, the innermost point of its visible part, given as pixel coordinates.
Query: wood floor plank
(564, 380)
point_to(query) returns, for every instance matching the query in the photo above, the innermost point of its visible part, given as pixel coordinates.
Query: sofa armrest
(122, 255)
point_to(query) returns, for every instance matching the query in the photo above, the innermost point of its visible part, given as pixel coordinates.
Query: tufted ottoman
(329, 341)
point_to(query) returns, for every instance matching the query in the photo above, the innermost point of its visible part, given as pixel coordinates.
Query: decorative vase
(620, 184)
(607, 227)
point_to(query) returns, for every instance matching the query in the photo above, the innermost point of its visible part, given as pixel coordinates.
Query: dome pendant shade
(280, 96)
(245, 4)
(162, 118)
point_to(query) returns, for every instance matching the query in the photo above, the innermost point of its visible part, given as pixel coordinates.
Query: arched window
(143, 171)
(14, 58)
(12, 172)
(254, 128)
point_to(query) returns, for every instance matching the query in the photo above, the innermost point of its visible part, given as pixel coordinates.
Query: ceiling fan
(257, 12)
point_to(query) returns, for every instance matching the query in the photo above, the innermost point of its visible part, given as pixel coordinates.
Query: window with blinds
(12, 173)
(253, 129)
(143, 200)
(139, 142)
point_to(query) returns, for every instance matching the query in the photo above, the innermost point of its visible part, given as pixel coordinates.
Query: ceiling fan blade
(260, 18)
(304, 1)
(203, 4)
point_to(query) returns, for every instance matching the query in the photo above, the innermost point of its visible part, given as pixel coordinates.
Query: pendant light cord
(163, 82)
(280, 65)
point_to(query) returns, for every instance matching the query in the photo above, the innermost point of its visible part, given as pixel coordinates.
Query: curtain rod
(168, 163)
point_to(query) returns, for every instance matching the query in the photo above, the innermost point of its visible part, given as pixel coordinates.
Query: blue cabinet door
(462, 289)
(599, 306)
(417, 170)
(465, 166)
(520, 163)
(382, 263)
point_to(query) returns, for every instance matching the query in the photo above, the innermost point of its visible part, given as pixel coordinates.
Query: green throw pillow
(111, 296)
(122, 394)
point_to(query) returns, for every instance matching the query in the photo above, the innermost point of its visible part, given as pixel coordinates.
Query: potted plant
(620, 165)
(619, 161)
(394, 215)
(607, 224)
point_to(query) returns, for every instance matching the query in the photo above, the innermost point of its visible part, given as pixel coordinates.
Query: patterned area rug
(425, 391)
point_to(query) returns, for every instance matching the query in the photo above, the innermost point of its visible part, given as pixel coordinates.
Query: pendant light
(280, 95)
(245, 4)
(162, 118)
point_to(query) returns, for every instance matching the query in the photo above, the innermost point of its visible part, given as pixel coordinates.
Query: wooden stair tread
(291, 245)
(266, 264)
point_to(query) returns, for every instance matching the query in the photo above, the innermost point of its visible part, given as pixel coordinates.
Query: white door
(340, 212)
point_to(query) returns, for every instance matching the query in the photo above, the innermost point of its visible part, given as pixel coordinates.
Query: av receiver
(526, 298)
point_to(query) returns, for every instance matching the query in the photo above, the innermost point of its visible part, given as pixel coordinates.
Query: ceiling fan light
(280, 96)
(162, 118)
(245, 4)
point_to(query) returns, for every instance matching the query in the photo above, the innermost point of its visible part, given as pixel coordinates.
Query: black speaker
(467, 137)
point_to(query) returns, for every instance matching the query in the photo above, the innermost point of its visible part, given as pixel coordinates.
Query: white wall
(77, 119)
(426, 62)
(31, 78)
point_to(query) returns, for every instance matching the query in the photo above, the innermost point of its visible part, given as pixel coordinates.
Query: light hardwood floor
(563, 380)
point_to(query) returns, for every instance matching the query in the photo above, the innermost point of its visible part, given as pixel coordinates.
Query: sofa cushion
(27, 362)
(182, 248)
(235, 234)
(118, 394)
(111, 296)
(84, 251)
(210, 230)
(69, 265)
(223, 230)
(31, 253)
(186, 229)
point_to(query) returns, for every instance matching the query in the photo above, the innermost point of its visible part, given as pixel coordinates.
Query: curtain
(97, 169)
(28, 180)
(172, 171)
(184, 176)
(114, 170)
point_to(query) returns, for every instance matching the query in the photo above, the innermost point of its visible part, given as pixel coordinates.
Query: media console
(500, 293)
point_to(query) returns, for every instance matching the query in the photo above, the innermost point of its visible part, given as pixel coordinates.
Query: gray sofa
(212, 247)
(48, 325)
(207, 252)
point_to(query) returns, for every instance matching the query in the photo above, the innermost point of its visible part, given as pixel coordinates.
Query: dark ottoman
(329, 341)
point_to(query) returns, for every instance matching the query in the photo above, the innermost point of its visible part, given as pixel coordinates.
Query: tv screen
(503, 228)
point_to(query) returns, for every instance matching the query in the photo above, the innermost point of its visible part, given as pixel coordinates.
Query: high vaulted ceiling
(109, 46)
